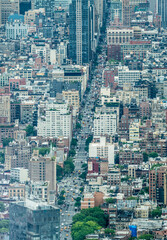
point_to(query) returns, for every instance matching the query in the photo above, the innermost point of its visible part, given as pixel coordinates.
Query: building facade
(34, 220)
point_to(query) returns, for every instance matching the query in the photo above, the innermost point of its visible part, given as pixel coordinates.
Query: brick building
(130, 157)
(157, 184)
(144, 110)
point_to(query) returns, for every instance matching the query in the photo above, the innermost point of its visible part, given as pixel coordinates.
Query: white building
(16, 30)
(56, 122)
(19, 174)
(61, 53)
(126, 76)
(99, 147)
(41, 49)
(105, 123)
(119, 36)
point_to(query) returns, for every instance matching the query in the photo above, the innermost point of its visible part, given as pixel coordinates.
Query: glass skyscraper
(79, 31)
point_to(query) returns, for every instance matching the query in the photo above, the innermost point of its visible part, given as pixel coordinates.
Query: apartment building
(43, 169)
(73, 99)
(56, 121)
(105, 124)
(101, 148)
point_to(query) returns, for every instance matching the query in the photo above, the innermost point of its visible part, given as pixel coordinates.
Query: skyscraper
(162, 11)
(126, 12)
(79, 28)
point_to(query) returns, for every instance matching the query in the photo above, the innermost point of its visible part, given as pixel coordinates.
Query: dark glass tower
(79, 31)
(162, 11)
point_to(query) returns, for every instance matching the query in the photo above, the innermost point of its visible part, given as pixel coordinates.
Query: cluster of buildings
(126, 174)
(47, 50)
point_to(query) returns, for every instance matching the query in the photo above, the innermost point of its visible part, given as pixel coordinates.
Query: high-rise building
(62, 3)
(162, 11)
(34, 220)
(6, 8)
(116, 8)
(49, 6)
(126, 12)
(79, 31)
(153, 6)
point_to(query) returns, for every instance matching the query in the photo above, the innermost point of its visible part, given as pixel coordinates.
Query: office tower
(153, 6)
(116, 8)
(162, 11)
(34, 220)
(79, 31)
(25, 5)
(6, 8)
(62, 3)
(126, 12)
(49, 6)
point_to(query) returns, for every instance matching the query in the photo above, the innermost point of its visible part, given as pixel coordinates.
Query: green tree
(72, 153)
(2, 207)
(4, 224)
(89, 140)
(156, 212)
(78, 125)
(59, 172)
(101, 218)
(78, 202)
(109, 231)
(2, 157)
(153, 155)
(68, 166)
(110, 200)
(74, 142)
(43, 151)
(80, 229)
(145, 157)
(79, 117)
(83, 175)
(6, 141)
(30, 131)
(146, 236)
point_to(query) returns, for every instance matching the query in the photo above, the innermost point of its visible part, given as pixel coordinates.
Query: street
(72, 184)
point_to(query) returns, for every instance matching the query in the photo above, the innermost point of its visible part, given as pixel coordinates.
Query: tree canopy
(156, 212)
(6, 141)
(30, 131)
(80, 229)
(97, 214)
(146, 236)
